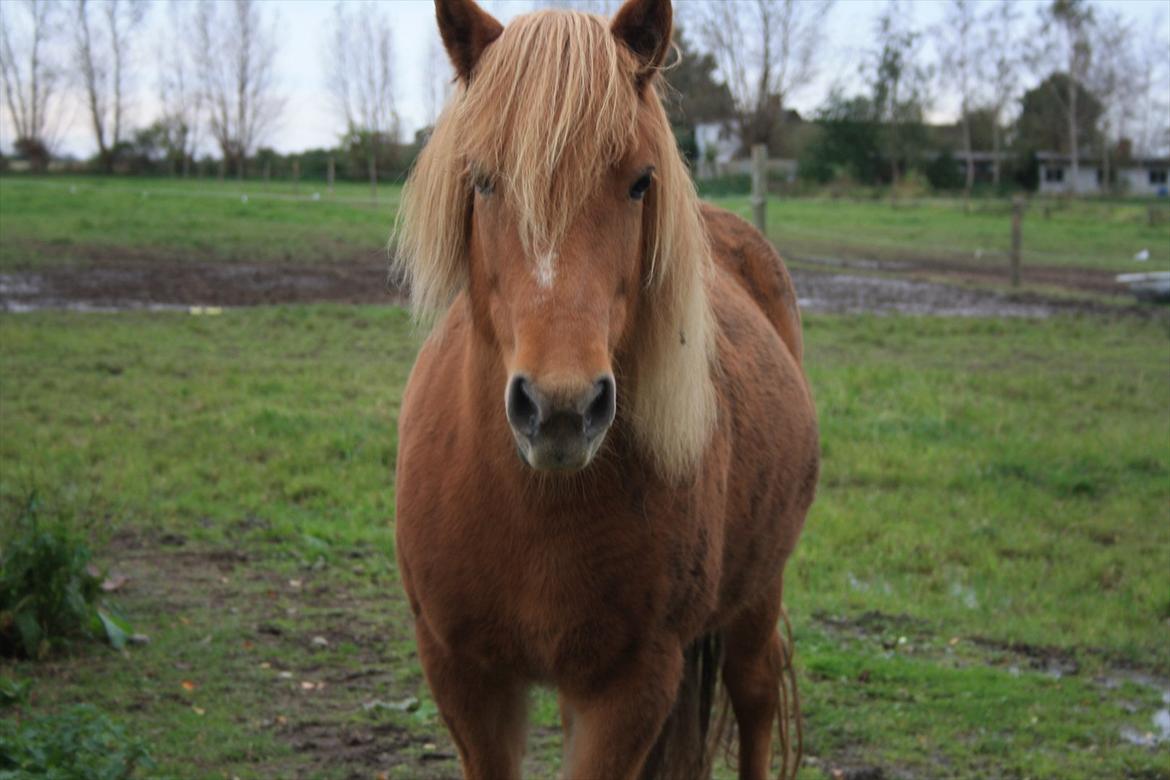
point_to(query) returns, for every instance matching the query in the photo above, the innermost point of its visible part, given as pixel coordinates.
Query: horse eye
(641, 185)
(484, 184)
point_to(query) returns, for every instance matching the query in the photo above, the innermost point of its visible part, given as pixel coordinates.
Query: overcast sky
(309, 120)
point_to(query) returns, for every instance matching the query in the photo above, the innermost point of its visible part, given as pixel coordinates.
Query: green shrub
(50, 591)
(77, 744)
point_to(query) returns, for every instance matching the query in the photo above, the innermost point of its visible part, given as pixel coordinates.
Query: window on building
(1054, 174)
(1158, 176)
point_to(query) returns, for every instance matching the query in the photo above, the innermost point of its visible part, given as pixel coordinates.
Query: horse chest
(567, 595)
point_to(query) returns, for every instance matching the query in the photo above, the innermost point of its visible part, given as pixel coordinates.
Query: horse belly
(774, 458)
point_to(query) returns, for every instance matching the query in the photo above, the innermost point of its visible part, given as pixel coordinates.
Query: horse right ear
(467, 30)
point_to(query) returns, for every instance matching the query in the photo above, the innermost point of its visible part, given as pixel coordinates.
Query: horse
(607, 444)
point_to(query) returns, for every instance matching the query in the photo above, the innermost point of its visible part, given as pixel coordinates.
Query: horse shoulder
(750, 258)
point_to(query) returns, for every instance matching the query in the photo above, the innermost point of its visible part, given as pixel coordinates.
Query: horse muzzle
(559, 430)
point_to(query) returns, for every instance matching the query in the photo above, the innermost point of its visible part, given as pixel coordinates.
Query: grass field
(75, 221)
(983, 589)
(79, 221)
(1077, 234)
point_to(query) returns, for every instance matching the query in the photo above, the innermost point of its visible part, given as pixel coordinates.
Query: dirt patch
(312, 646)
(179, 285)
(843, 293)
(140, 284)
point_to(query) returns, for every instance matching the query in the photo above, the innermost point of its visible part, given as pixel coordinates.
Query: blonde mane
(551, 106)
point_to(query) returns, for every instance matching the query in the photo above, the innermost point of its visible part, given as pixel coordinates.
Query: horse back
(754, 263)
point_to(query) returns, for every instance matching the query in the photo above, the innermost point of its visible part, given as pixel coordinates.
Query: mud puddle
(154, 285)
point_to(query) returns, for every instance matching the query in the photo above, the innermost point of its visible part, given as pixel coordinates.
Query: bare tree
(437, 78)
(178, 90)
(1112, 79)
(899, 81)
(1001, 46)
(236, 57)
(360, 68)
(960, 70)
(1063, 38)
(30, 75)
(1152, 88)
(766, 52)
(101, 50)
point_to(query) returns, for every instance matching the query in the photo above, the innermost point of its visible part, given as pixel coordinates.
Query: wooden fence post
(760, 187)
(1017, 217)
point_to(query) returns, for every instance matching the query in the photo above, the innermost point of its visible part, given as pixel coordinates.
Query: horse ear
(467, 30)
(644, 26)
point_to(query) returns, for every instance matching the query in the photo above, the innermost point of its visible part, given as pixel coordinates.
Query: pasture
(77, 221)
(982, 589)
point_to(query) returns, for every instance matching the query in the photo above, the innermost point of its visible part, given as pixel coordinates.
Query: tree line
(1073, 77)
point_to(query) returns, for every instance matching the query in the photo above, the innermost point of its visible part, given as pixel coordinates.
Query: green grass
(994, 509)
(80, 220)
(1081, 234)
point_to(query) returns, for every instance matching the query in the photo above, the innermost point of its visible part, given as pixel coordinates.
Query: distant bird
(1142, 256)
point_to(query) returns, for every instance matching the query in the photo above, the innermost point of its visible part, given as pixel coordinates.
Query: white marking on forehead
(544, 270)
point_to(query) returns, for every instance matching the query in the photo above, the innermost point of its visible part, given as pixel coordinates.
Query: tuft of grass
(50, 589)
(79, 743)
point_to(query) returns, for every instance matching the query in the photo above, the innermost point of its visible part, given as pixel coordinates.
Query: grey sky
(309, 119)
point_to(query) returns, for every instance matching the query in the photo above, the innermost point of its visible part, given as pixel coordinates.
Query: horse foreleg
(614, 728)
(485, 711)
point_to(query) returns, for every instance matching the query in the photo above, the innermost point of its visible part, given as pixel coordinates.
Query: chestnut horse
(617, 528)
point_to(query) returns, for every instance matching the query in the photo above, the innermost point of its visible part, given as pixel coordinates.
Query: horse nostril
(601, 409)
(524, 407)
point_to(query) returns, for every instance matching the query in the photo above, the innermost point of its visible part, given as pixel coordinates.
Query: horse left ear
(644, 26)
(466, 30)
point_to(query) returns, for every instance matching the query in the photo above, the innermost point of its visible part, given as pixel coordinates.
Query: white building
(1136, 177)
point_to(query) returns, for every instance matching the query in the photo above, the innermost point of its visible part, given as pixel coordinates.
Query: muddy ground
(824, 286)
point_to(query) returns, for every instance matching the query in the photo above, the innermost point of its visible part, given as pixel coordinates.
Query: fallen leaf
(188, 685)
(199, 710)
(114, 582)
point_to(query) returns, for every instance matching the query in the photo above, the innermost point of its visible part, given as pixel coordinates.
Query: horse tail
(791, 728)
(689, 740)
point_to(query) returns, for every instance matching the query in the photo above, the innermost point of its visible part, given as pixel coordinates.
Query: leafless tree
(437, 78)
(359, 60)
(1063, 41)
(1002, 64)
(236, 58)
(178, 90)
(30, 74)
(1112, 78)
(1152, 88)
(766, 51)
(960, 70)
(899, 81)
(102, 31)
(603, 7)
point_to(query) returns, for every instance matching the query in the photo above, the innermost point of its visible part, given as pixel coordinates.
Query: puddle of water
(1159, 734)
(1160, 721)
